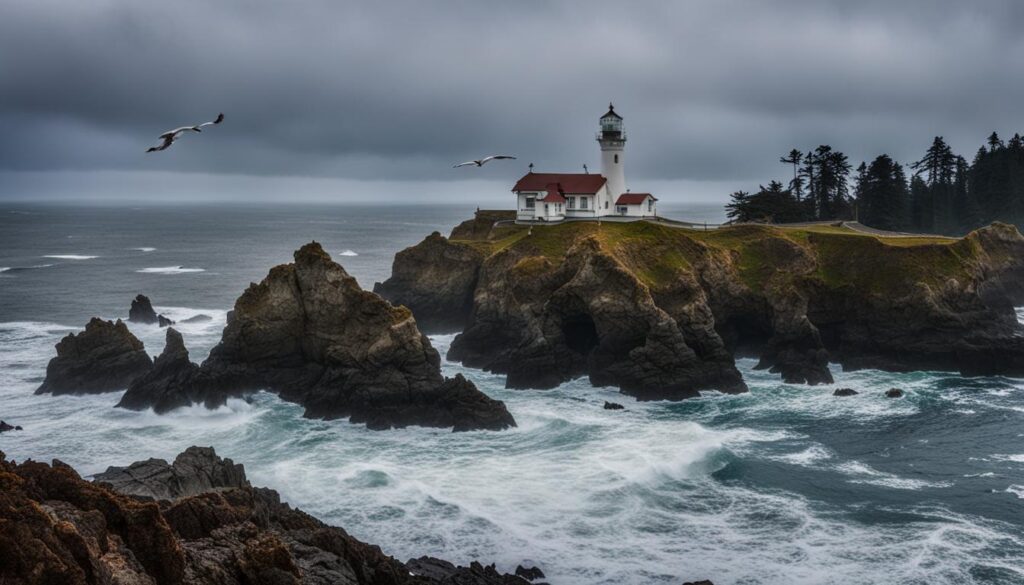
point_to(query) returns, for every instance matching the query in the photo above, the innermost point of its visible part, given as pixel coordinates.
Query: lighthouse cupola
(612, 138)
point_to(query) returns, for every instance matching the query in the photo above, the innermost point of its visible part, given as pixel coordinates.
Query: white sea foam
(70, 256)
(1016, 458)
(1017, 490)
(807, 457)
(144, 249)
(866, 474)
(347, 253)
(4, 268)
(169, 270)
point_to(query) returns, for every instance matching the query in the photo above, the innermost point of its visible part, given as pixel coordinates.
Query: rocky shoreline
(662, 312)
(308, 333)
(195, 521)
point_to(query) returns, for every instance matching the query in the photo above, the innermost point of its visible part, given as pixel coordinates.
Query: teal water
(786, 484)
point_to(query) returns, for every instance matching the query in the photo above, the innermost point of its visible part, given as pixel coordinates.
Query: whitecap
(4, 268)
(1017, 490)
(70, 256)
(347, 253)
(169, 270)
(1016, 458)
(807, 457)
(871, 476)
(144, 249)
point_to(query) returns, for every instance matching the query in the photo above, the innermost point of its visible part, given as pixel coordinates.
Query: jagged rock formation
(142, 311)
(103, 358)
(170, 384)
(310, 334)
(660, 312)
(56, 527)
(195, 470)
(441, 283)
(4, 427)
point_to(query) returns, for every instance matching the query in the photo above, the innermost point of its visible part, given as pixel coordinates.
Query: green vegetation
(945, 193)
(830, 255)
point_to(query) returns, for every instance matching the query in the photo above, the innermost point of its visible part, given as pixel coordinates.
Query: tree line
(941, 193)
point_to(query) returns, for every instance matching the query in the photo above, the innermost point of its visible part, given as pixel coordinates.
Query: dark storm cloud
(399, 90)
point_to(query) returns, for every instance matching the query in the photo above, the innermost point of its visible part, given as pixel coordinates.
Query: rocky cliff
(309, 333)
(195, 522)
(660, 311)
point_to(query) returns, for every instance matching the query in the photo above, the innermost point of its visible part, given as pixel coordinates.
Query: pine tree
(882, 194)
(795, 157)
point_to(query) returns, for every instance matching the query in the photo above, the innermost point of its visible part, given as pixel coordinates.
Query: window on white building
(572, 203)
(583, 202)
(606, 205)
(650, 204)
(531, 203)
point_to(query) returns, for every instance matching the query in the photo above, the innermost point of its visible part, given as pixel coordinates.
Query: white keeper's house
(557, 196)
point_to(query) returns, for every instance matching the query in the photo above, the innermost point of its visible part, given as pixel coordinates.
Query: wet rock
(194, 471)
(103, 358)
(142, 311)
(217, 530)
(309, 333)
(613, 406)
(170, 384)
(704, 582)
(435, 570)
(894, 393)
(529, 573)
(4, 427)
(845, 392)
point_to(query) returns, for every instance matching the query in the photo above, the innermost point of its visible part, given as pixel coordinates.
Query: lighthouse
(612, 138)
(557, 197)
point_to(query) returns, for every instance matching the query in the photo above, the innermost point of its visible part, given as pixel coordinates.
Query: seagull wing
(175, 132)
(218, 120)
(494, 157)
(168, 140)
(465, 164)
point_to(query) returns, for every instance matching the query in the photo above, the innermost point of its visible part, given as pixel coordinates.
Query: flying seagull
(480, 162)
(171, 135)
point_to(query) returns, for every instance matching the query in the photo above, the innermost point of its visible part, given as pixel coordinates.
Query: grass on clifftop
(658, 253)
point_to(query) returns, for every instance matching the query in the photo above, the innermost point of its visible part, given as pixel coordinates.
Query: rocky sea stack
(309, 333)
(103, 358)
(662, 312)
(196, 522)
(142, 311)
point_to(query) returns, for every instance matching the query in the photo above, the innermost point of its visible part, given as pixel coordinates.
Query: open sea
(783, 485)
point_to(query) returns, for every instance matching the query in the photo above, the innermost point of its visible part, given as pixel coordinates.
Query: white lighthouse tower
(612, 138)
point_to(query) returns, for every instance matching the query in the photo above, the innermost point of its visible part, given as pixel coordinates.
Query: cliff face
(195, 522)
(660, 311)
(310, 334)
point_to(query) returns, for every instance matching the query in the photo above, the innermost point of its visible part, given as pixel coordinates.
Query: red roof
(633, 198)
(568, 182)
(553, 195)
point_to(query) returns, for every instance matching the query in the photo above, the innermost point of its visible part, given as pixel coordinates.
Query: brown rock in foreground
(58, 528)
(309, 333)
(103, 358)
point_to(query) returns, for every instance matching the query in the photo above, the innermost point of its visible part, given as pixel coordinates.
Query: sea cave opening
(580, 333)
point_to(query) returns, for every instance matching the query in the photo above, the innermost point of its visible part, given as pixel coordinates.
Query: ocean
(784, 485)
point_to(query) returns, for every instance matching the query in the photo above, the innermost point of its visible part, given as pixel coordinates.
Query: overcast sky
(328, 96)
